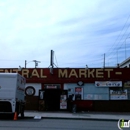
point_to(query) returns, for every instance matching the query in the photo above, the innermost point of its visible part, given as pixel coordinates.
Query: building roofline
(125, 61)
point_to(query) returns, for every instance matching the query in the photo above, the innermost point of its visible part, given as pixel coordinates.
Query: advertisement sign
(89, 96)
(108, 83)
(63, 102)
(118, 94)
(52, 86)
(127, 84)
(78, 93)
(93, 97)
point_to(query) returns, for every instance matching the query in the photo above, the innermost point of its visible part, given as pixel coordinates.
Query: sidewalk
(78, 116)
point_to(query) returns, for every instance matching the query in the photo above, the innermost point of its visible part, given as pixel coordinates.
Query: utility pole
(104, 60)
(117, 56)
(25, 63)
(125, 48)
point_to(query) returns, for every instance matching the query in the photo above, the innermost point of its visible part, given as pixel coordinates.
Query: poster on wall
(63, 102)
(78, 93)
(93, 97)
(96, 97)
(89, 96)
(41, 95)
(118, 94)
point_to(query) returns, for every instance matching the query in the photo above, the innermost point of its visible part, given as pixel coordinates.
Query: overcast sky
(79, 31)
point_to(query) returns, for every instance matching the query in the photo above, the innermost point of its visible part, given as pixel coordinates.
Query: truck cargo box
(12, 92)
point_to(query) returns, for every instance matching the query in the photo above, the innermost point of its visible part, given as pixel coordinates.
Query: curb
(94, 119)
(67, 118)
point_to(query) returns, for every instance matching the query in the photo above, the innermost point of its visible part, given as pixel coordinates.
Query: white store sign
(108, 83)
(118, 95)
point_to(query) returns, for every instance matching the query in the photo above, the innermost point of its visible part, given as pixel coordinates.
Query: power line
(119, 35)
(120, 40)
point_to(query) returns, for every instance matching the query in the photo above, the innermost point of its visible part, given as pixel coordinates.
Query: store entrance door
(52, 99)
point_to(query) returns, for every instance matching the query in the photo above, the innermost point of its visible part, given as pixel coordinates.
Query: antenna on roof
(52, 62)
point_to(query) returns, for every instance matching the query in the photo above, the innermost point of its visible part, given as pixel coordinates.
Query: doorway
(52, 99)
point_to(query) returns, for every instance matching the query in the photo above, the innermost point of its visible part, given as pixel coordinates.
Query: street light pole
(36, 63)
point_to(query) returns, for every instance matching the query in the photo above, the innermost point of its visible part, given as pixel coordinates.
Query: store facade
(93, 89)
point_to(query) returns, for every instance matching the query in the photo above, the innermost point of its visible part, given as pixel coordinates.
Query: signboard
(51, 86)
(108, 83)
(127, 84)
(78, 93)
(44, 73)
(63, 102)
(78, 90)
(118, 94)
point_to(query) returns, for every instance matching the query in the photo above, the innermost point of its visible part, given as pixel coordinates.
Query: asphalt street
(57, 124)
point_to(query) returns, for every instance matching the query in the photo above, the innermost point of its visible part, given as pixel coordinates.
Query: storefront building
(93, 89)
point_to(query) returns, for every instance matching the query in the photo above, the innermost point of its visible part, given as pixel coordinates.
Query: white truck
(12, 93)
